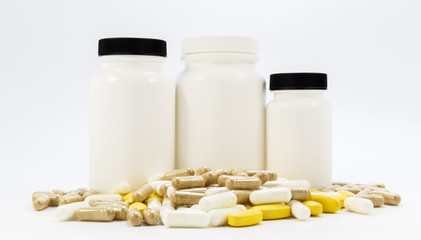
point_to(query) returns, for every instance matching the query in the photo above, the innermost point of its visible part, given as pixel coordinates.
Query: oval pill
(271, 195)
(220, 200)
(245, 218)
(330, 204)
(273, 211)
(315, 207)
(359, 205)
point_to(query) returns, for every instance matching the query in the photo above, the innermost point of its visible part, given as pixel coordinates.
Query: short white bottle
(132, 114)
(220, 104)
(298, 128)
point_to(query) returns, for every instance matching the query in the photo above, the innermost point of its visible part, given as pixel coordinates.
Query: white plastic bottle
(220, 104)
(299, 128)
(132, 114)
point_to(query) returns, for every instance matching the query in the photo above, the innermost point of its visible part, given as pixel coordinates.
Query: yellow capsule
(245, 218)
(340, 197)
(138, 205)
(273, 211)
(330, 204)
(41, 202)
(135, 217)
(346, 193)
(202, 170)
(300, 194)
(315, 207)
(99, 214)
(244, 183)
(188, 182)
(142, 193)
(178, 173)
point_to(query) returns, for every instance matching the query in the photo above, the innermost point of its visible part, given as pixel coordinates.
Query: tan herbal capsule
(151, 216)
(253, 172)
(376, 189)
(273, 176)
(135, 217)
(391, 198)
(210, 178)
(365, 191)
(178, 173)
(73, 192)
(98, 202)
(202, 170)
(377, 199)
(142, 193)
(41, 202)
(81, 191)
(264, 176)
(54, 198)
(238, 172)
(245, 183)
(186, 198)
(350, 188)
(340, 183)
(120, 212)
(223, 178)
(220, 172)
(243, 196)
(38, 194)
(66, 199)
(331, 188)
(88, 193)
(59, 192)
(371, 184)
(188, 182)
(99, 214)
(163, 189)
(300, 194)
(195, 190)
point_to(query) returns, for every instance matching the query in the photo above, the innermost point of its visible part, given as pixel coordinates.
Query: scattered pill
(41, 202)
(54, 197)
(186, 198)
(358, 205)
(244, 183)
(66, 199)
(68, 211)
(188, 182)
(219, 217)
(105, 197)
(120, 212)
(191, 219)
(223, 178)
(299, 210)
(98, 214)
(300, 194)
(134, 217)
(96, 203)
(220, 200)
(210, 178)
(264, 176)
(243, 196)
(142, 193)
(377, 199)
(202, 170)
(272, 175)
(245, 217)
(216, 190)
(196, 190)
(272, 195)
(151, 216)
(330, 204)
(315, 207)
(178, 173)
(391, 198)
(273, 211)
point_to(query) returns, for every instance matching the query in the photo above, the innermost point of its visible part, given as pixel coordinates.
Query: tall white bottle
(299, 128)
(132, 114)
(220, 104)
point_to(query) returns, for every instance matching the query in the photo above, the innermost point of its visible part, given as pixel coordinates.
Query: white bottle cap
(219, 44)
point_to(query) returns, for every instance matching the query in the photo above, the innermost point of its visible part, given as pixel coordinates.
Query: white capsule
(358, 205)
(156, 185)
(68, 211)
(156, 177)
(195, 206)
(213, 191)
(220, 200)
(155, 204)
(299, 210)
(219, 217)
(105, 197)
(164, 212)
(170, 191)
(192, 219)
(271, 195)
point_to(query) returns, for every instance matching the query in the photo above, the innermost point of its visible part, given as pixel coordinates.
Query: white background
(371, 51)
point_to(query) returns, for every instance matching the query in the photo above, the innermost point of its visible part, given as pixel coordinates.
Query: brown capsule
(300, 194)
(273, 176)
(186, 198)
(376, 189)
(54, 198)
(120, 212)
(264, 176)
(135, 217)
(81, 191)
(391, 198)
(223, 178)
(151, 216)
(371, 184)
(37, 194)
(245, 183)
(98, 202)
(243, 196)
(202, 170)
(340, 183)
(178, 173)
(163, 189)
(59, 192)
(253, 172)
(88, 193)
(238, 172)
(377, 199)
(188, 182)
(220, 172)
(73, 192)
(41, 202)
(349, 188)
(66, 199)
(142, 193)
(210, 178)
(99, 214)
(195, 190)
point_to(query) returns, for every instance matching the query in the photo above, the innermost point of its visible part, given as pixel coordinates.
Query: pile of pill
(206, 198)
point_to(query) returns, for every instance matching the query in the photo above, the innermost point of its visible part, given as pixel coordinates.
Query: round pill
(273, 211)
(315, 207)
(245, 218)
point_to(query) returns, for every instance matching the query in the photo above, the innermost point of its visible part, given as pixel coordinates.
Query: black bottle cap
(304, 80)
(132, 46)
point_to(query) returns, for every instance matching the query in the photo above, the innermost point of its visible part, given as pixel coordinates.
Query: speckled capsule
(202, 170)
(243, 196)
(99, 214)
(243, 183)
(134, 217)
(264, 176)
(41, 202)
(66, 199)
(377, 199)
(178, 173)
(151, 216)
(210, 178)
(300, 194)
(54, 198)
(186, 198)
(142, 193)
(188, 182)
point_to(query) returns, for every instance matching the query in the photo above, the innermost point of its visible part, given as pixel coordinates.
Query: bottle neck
(220, 59)
(290, 94)
(132, 62)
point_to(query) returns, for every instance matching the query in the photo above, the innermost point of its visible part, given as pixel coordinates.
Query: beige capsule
(210, 178)
(162, 191)
(81, 191)
(238, 172)
(178, 173)
(41, 202)
(340, 183)
(188, 182)
(243, 183)
(243, 196)
(151, 216)
(186, 198)
(99, 214)
(202, 170)
(223, 178)
(54, 198)
(390, 198)
(134, 217)
(73, 192)
(120, 212)
(273, 176)
(371, 184)
(59, 192)
(99, 202)
(300, 194)
(220, 172)
(88, 193)
(253, 172)
(142, 193)
(195, 190)
(66, 199)
(377, 199)
(350, 188)
(264, 176)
